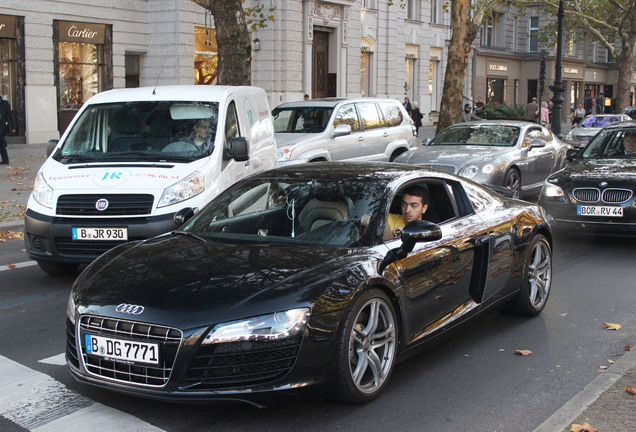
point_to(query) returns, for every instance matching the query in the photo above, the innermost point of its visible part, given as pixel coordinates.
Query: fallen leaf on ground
(611, 361)
(628, 348)
(630, 390)
(585, 427)
(523, 352)
(11, 266)
(612, 326)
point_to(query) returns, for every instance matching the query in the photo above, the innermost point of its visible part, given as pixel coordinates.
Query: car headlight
(487, 169)
(470, 171)
(284, 154)
(42, 192)
(552, 190)
(70, 308)
(278, 325)
(187, 188)
(569, 137)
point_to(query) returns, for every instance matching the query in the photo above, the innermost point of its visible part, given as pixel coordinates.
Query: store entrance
(320, 85)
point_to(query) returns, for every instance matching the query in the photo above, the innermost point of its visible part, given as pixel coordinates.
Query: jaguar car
(595, 193)
(512, 154)
(286, 285)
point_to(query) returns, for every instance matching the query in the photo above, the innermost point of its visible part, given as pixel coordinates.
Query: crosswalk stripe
(39, 403)
(18, 265)
(58, 360)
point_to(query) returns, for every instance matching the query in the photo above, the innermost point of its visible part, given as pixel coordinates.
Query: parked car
(514, 154)
(630, 111)
(131, 159)
(284, 284)
(335, 129)
(583, 133)
(595, 193)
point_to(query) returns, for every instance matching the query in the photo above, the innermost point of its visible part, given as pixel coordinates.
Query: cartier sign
(81, 32)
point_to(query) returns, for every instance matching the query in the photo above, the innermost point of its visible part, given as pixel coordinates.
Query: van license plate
(116, 349)
(607, 211)
(100, 233)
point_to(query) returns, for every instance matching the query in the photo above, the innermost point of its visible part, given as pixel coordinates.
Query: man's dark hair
(466, 106)
(418, 191)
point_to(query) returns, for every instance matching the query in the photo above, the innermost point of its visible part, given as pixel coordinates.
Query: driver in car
(201, 136)
(629, 143)
(415, 200)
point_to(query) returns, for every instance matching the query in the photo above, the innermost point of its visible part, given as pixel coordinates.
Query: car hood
(287, 139)
(617, 172)
(584, 131)
(196, 282)
(450, 155)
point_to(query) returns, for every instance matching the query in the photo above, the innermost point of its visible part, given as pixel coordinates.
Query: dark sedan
(284, 283)
(595, 193)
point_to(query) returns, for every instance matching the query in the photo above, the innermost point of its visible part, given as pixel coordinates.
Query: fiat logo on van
(101, 204)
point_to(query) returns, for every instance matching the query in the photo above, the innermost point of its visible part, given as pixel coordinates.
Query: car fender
(314, 154)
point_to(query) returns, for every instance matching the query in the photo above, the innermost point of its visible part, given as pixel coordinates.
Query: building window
(436, 11)
(492, 32)
(534, 34)
(496, 92)
(515, 92)
(7, 70)
(432, 82)
(370, 4)
(365, 72)
(205, 55)
(571, 46)
(409, 76)
(132, 70)
(592, 90)
(413, 10)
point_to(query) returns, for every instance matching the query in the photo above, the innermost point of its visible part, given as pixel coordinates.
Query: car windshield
(305, 119)
(478, 135)
(612, 143)
(141, 131)
(599, 122)
(323, 213)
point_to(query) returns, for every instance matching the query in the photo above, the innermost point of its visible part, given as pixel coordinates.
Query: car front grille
(118, 205)
(586, 195)
(616, 196)
(233, 364)
(158, 375)
(448, 169)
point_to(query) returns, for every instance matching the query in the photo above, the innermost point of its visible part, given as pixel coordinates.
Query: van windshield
(305, 119)
(171, 131)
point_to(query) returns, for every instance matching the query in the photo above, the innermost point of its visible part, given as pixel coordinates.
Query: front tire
(367, 349)
(512, 181)
(57, 269)
(537, 279)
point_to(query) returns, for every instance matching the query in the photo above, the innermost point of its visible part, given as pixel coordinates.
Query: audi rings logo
(101, 204)
(129, 309)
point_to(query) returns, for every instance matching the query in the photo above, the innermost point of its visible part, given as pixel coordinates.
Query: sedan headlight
(278, 325)
(569, 137)
(70, 308)
(187, 188)
(284, 154)
(470, 171)
(552, 190)
(42, 192)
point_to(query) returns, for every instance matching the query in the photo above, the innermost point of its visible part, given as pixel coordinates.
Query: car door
(539, 161)
(347, 146)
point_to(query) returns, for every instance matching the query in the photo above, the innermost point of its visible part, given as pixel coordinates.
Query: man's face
(202, 129)
(630, 144)
(412, 208)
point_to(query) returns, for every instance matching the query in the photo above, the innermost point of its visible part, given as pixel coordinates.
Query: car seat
(318, 213)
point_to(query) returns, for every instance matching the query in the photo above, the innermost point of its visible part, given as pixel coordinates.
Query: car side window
(231, 125)
(348, 115)
(532, 133)
(392, 114)
(370, 116)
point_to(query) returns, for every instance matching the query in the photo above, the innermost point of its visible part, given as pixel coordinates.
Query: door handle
(481, 240)
(247, 163)
(385, 134)
(360, 138)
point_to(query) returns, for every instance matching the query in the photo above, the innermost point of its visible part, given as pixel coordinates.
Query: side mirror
(342, 130)
(536, 143)
(414, 232)
(239, 150)
(572, 153)
(51, 146)
(426, 142)
(183, 215)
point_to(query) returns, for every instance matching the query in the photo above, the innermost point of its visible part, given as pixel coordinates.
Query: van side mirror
(342, 130)
(50, 146)
(239, 150)
(183, 215)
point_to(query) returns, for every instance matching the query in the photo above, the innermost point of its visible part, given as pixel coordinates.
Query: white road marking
(59, 360)
(39, 403)
(18, 265)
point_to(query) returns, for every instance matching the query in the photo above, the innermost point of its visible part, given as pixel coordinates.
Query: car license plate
(607, 211)
(100, 234)
(117, 349)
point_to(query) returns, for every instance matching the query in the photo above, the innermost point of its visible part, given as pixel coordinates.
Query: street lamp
(558, 88)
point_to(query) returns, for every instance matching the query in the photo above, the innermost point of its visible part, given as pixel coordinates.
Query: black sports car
(284, 283)
(595, 193)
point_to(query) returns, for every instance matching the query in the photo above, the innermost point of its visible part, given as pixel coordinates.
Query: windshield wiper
(189, 234)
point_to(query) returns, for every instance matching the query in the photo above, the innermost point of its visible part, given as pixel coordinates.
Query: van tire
(57, 269)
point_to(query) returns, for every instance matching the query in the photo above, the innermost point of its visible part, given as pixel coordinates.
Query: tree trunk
(624, 63)
(233, 42)
(458, 55)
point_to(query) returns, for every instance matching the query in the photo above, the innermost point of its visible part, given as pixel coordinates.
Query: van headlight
(284, 154)
(278, 325)
(187, 188)
(42, 192)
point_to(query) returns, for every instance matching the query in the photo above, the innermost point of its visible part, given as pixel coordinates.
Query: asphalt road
(473, 381)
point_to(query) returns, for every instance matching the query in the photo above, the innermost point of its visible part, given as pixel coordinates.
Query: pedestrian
(417, 116)
(531, 110)
(407, 105)
(579, 113)
(467, 114)
(479, 106)
(7, 124)
(595, 109)
(306, 97)
(544, 116)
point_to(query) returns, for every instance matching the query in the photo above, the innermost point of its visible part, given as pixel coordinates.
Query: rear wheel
(57, 269)
(537, 279)
(368, 348)
(512, 181)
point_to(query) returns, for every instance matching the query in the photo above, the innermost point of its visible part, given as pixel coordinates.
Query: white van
(135, 162)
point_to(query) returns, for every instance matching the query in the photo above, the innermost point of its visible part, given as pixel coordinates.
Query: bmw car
(285, 285)
(512, 154)
(595, 193)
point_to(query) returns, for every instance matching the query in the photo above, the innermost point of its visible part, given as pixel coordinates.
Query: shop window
(205, 55)
(81, 65)
(132, 70)
(592, 90)
(496, 91)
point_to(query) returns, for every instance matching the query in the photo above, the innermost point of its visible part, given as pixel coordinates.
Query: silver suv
(365, 129)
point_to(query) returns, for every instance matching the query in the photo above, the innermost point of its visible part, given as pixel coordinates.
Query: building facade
(54, 55)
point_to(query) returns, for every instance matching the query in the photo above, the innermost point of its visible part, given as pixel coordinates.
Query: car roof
(171, 93)
(518, 123)
(331, 102)
(627, 124)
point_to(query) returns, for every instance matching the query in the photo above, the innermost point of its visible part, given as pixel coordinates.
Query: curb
(12, 226)
(562, 419)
